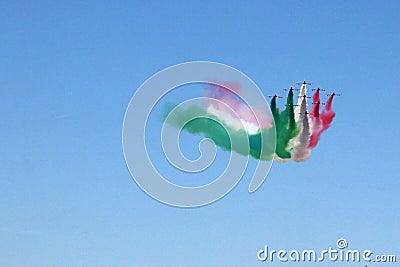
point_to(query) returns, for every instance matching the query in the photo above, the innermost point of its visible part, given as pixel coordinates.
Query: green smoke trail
(196, 120)
(275, 111)
(286, 127)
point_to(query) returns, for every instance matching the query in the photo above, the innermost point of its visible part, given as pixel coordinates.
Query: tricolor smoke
(223, 116)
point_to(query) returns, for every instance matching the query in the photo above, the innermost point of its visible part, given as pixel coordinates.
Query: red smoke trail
(315, 108)
(320, 122)
(328, 114)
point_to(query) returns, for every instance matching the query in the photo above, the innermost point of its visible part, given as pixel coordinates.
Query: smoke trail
(321, 122)
(299, 144)
(274, 110)
(255, 122)
(221, 134)
(205, 124)
(251, 118)
(316, 121)
(328, 114)
(302, 95)
(286, 128)
(315, 97)
(300, 151)
(223, 116)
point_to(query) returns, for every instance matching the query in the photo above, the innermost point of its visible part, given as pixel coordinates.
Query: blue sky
(68, 71)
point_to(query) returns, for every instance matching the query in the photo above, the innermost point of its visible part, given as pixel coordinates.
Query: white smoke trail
(297, 111)
(300, 151)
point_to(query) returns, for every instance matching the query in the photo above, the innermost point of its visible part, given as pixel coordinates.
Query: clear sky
(68, 71)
